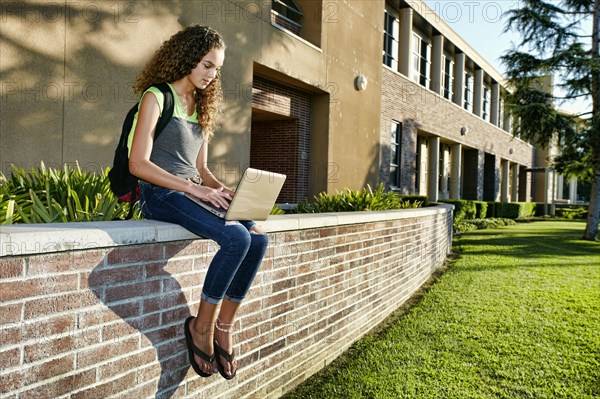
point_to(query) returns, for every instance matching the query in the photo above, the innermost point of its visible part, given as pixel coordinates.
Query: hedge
(514, 210)
(463, 209)
(481, 209)
(471, 209)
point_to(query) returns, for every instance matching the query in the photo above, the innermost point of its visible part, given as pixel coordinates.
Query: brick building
(334, 94)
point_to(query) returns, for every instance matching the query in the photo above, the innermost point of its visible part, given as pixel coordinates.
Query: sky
(481, 24)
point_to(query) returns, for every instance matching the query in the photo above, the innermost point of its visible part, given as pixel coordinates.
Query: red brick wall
(108, 321)
(281, 144)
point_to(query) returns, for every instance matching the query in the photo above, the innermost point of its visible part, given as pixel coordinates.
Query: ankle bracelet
(223, 329)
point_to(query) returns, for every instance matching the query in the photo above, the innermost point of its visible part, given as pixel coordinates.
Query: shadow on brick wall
(151, 302)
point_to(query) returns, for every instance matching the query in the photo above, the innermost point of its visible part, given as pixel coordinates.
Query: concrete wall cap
(32, 239)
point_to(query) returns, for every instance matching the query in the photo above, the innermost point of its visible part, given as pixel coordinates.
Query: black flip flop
(229, 357)
(193, 349)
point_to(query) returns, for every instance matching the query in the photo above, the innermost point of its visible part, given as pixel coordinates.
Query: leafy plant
(46, 195)
(277, 210)
(351, 200)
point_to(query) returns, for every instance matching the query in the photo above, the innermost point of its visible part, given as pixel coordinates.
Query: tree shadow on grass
(151, 301)
(543, 244)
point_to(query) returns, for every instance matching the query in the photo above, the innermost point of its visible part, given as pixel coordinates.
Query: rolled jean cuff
(212, 301)
(236, 300)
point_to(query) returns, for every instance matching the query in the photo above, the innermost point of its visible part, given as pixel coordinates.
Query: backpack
(122, 183)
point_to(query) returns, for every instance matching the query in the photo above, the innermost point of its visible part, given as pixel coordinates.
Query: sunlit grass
(516, 315)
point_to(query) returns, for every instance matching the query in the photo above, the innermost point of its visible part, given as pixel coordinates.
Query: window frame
(421, 61)
(500, 121)
(486, 103)
(468, 91)
(395, 162)
(447, 77)
(390, 56)
(287, 8)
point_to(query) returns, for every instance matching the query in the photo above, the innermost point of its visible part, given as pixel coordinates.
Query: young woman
(176, 163)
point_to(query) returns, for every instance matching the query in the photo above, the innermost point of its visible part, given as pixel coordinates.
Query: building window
(421, 60)
(395, 153)
(447, 77)
(391, 37)
(486, 104)
(287, 14)
(468, 103)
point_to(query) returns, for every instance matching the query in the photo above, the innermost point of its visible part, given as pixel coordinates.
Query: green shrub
(491, 209)
(466, 211)
(506, 210)
(572, 213)
(481, 209)
(463, 209)
(464, 226)
(480, 224)
(526, 209)
(46, 195)
(351, 200)
(515, 210)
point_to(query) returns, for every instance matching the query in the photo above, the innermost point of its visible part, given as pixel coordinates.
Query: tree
(575, 160)
(556, 42)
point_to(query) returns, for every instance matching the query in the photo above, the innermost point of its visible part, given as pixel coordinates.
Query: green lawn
(515, 315)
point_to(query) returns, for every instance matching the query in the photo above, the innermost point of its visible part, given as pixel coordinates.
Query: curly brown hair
(176, 58)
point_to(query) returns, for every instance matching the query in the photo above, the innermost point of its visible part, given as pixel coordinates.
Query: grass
(515, 315)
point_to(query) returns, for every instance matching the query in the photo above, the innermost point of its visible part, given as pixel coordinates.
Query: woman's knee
(259, 240)
(236, 235)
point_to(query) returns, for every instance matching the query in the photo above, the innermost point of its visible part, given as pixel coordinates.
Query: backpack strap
(163, 121)
(168, 108)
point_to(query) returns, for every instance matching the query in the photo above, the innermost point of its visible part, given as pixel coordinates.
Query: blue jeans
(234, 266)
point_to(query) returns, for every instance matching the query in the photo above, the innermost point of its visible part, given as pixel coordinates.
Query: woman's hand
(218, 197)
(228, 191)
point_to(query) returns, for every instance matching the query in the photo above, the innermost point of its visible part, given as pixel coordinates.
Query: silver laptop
(254, 196)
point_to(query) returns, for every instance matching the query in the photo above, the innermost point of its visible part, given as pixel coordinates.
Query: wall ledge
(32, 239)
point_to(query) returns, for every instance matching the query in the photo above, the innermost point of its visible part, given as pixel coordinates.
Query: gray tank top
(176, 148)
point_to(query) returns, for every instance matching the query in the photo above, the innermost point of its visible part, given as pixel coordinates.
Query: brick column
(434, 169)
(504, 179)
(455, 171)
(514, 192)
(480, 174)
